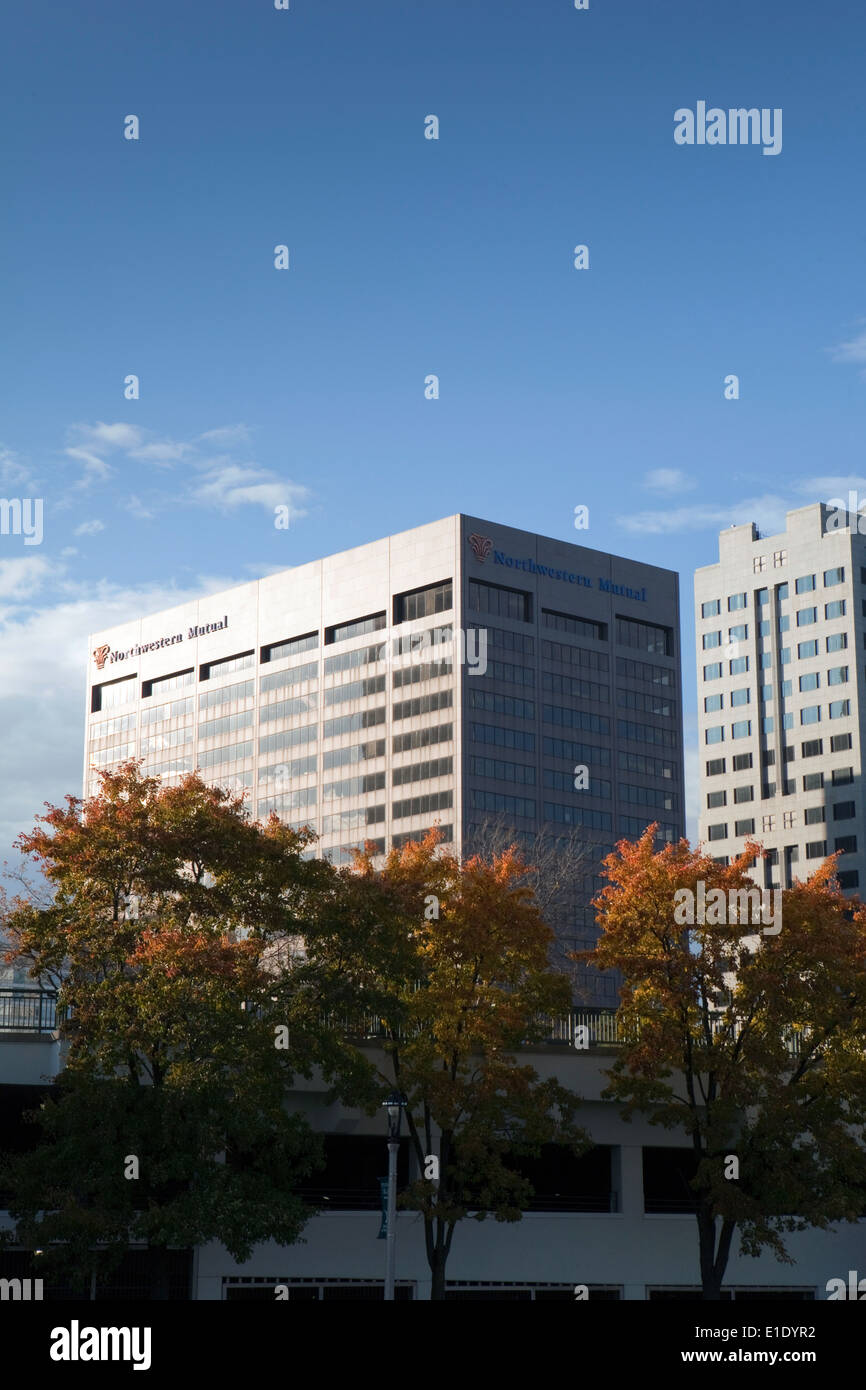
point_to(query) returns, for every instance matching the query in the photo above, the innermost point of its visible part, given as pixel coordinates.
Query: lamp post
(394, 1105)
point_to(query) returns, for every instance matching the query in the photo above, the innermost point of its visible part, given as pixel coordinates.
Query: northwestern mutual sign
(197, 630)
(605, 586)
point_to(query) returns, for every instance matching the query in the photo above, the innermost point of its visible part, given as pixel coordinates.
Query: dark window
(742, 761)
(580, 627)
(500, 600)
(424, 602)
(228, 664)
(648, 637)
(813, 748)
(667, 1173)
(844, 810)
(292, 647)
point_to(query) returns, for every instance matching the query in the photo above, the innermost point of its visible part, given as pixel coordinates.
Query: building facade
(462, 673)
(781, 631)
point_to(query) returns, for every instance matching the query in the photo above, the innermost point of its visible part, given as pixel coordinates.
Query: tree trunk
(714, 1259)
(437, 1269)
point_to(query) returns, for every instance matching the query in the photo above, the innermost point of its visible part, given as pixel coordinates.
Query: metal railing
(24, 1010)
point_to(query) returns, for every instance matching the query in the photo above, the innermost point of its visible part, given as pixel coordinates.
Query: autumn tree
(453, 958)
(186, 1012)
(748, 1038)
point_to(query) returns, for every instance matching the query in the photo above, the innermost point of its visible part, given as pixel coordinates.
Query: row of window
(810, 714)
(805, 584)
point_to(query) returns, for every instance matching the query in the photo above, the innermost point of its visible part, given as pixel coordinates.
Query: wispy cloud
(768, 512)
(89, 528)
(233, 485)
(854, 350)
(670, 480)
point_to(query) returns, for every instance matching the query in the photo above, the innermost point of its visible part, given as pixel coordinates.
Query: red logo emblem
(482, 545)
(99, 656)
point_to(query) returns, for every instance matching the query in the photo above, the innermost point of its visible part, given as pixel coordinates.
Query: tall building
(780, 622)
(460, 673)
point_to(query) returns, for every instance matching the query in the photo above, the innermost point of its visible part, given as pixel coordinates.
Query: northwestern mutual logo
(99, 656)
(482, 545)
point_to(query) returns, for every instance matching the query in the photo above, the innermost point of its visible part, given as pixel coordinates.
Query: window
(293, 647)
(839, 743)
(717, 832)
(814, 815)
(739, 665)
(355, 690)
(349, 723)
(846, 843)
(844, 810)
(741, 761)
(780, 557)
(440, 699)
(649, 637)
(805, 584)
(499, 600)
(715, 766)
(740, 697)
(762, 596)
(502, 771)
(444, 767)
(837, 641)
(837, 675)
(374, 622)
(511, 738)
(713, 702)
(835, 576)
(784, 655)
(849, 879)
(813, 748)
(836, 609)
(282, 680)
(164, 684)
(358, 753)
(712, 639)
(810, 681)
(789, 820)
(759, 564)
(765, 659)
(738, 633)
(711, 608)
(627, 762)
(242, 662)
(113, 693)
(347, 661)
(810, 714)
(660, 797)
(842, 775)
(580, 627)
(577, 815)
(439, 801)
(839, 709)
(816, 849)
(742, 794)
(768, 822)
(715, 734)
(742, 729)
(637, 733)
(443, 733)
(768, 724)
(713, 671)
(431, 670)
(744, 827)
(807, 649)
(764, 627)
(784, 623)
(782, 592)
(715, 799)
(768, 758)
(736, 601)
(813, 781)
(424, 602)
(786, 688)
(226, 724)
(806, 616)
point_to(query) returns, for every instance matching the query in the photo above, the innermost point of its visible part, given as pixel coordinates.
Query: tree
(186, 1015)
(453, 958)
(750, 1039)
(559, 872)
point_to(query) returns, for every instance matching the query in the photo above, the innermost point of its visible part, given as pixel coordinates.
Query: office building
(781, 629)
(460, 673)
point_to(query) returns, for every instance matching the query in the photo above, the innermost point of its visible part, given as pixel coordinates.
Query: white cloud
(768, 512)
(106, 437)
(227, 434)
(89, 528)
(164, 451)
(852, 351)
(25, 577)
(231, 485)
(94, 467)
(668, 480)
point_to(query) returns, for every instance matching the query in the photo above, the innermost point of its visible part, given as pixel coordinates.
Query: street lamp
(394, 1106)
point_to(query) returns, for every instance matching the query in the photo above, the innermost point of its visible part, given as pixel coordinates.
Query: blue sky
(407, 257)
